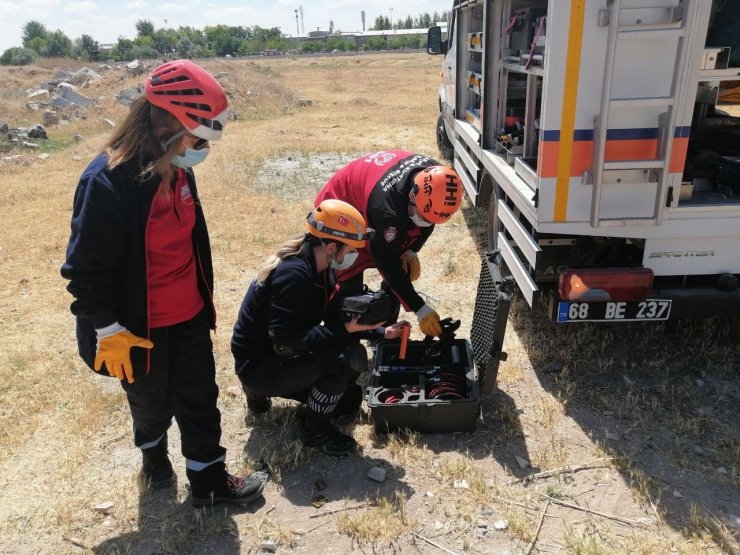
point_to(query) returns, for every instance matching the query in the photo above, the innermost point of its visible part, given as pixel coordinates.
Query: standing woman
(139, 267)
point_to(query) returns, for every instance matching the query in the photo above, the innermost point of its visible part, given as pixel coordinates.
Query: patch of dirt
(294, 176)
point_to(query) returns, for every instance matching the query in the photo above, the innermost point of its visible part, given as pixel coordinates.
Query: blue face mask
(191, 157)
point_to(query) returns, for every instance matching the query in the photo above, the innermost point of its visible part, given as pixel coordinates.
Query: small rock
(698, 450)
(3, 127)
(430, 494)
(482, 524)
(104, 508)
(221, 74)
(461, 484)
(76, 158)
(318, 501)
(376, 473)
(722, 470)
(14, 158)
(37, 132)
(269, 546)
(305, 102)
(39, 95)
(127, 96)
(28, 144)
(677, 493)
(51, 117)
(109, 122)
(613, 436)
(438, 525)
(77, 137)
(607, 412)
(523, 463)
(43, 156)
(554, 366)
(33, 106)
(232, 116)
(501, 525)
(135, 68)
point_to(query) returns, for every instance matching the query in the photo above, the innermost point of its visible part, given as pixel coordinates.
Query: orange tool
(405, 332)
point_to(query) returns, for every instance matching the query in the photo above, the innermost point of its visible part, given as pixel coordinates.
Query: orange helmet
(192, 95)
(337, 220)
(436, 193)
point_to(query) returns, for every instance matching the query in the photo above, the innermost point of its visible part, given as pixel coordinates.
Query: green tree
(381, 23)
(17, 56)
(32, 30)
(144, 28)
(397, 43)
(376, 43)
(60, 45)
(90, 48)
(39, 45)
(408, 23)
(123, 48)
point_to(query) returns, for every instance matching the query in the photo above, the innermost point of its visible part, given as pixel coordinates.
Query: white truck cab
(604, 137)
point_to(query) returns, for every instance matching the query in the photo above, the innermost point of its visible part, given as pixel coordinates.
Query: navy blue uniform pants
(182, 383)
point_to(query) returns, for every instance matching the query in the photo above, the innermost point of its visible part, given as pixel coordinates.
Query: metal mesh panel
(488, 327)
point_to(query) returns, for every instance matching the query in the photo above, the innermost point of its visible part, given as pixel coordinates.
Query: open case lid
(489, 323)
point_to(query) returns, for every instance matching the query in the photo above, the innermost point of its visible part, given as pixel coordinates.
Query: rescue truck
(602, 137)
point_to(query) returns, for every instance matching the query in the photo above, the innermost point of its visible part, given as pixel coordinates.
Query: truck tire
(443, 140)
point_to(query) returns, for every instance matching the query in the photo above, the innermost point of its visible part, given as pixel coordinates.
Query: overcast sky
(105, 20)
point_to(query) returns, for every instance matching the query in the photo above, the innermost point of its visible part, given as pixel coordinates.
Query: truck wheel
(443, 140)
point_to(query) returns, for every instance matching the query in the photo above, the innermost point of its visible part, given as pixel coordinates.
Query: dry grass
(65, 434)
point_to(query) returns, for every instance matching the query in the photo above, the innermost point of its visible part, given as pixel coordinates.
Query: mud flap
(489, 322)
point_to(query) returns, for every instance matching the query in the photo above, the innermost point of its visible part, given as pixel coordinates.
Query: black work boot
(156, 467)
(257, 403)
(350, 402)
(214, 485)
(317, 430)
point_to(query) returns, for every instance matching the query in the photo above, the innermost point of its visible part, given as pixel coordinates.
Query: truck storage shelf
(729, 74)
(475, 42)
(518, 68)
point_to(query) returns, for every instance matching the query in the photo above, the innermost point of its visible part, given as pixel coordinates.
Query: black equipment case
(439, 386)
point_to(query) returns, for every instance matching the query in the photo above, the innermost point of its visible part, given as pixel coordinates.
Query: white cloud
(9, 7)
(137, 4)
(83, 7)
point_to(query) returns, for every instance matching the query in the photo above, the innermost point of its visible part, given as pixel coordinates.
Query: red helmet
(437, 193)
(192, 95)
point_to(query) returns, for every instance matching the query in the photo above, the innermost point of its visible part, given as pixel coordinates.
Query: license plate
(624, 311)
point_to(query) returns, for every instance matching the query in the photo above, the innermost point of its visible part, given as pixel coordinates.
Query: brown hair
(140, 137)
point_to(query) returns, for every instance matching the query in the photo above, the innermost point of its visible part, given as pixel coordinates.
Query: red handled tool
(405, 333)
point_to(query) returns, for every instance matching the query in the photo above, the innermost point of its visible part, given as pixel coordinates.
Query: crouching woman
(283, 343)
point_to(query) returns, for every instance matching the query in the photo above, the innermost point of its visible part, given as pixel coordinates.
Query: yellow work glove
(411, 265)
(114, 346)
(429, 321)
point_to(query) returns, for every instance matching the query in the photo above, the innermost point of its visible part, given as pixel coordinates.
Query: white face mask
(346, 262)
(191, 157)
(418, 220)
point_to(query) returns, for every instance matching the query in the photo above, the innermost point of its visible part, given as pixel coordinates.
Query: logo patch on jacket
(185, 194)
(390, 234)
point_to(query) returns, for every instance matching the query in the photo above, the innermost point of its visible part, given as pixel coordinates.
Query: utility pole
(391, 27)
(297, 31)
